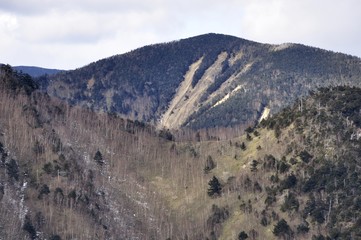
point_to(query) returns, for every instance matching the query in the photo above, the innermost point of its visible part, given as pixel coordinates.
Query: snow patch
(23, 210)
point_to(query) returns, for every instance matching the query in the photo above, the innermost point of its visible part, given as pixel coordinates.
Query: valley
(211, 137)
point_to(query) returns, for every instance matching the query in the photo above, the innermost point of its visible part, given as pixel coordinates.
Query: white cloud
(38, 7)
(72, 33)
(8, 28)
(8, 22)
(322, 23)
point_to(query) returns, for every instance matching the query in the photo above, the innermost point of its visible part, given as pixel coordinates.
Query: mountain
(61, 178)
(36, 71)
(70, 173)
(206, 81)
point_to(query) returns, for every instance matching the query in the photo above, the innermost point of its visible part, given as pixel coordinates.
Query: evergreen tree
(254, 165)
(215, 187)
(44, 190)
(242, 235)
(13, 169)
(99, 158)
(243, 146)
(29, 227)
(282, 228)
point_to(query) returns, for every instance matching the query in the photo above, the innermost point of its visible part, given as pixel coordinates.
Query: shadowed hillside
(206, 81)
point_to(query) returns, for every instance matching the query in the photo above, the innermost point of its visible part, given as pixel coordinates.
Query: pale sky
(68, 34)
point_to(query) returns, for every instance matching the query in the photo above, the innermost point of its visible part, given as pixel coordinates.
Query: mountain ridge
(142, 83)
(36, 71)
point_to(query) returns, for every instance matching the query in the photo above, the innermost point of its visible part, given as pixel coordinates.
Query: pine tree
(215, 187)
(281, 228)
(242, 235)
(99, 158)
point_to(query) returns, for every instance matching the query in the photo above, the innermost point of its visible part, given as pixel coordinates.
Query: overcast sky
(67, 34)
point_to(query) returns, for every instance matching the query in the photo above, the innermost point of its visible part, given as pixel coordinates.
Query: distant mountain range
(36, 71)
(206, 81)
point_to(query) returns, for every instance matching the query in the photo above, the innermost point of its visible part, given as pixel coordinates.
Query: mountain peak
(205, 81)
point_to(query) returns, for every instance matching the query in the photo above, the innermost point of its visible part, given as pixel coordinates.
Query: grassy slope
(324, 128)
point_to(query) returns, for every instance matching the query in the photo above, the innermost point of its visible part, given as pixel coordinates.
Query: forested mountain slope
(204, 81)
(66, 172)
(296, 176)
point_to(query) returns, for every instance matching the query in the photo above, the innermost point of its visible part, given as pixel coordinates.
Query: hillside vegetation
(67, 172)
(206, 81)
(300, 178)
